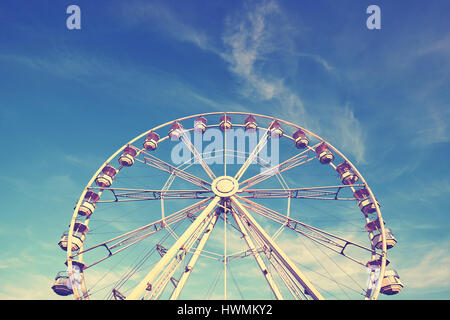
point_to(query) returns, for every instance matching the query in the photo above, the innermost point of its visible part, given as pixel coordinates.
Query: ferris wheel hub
(225, 186)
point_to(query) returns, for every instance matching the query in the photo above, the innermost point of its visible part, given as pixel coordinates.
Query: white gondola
(61, 285)
(78, 237)
(391, 283)
(377, 240)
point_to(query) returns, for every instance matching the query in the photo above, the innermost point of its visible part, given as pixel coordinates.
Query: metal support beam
(178, 246)
(197, 155)
(259, 260)
(159, 284)
(193, 260)
(261, 144)
(281, 255)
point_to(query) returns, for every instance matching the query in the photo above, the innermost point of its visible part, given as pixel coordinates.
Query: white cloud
(27, 287)
(325, 64)
(159, 16)
(435, 127)
(431, 271)
(434, 189)
(350, 134)
(249, 39)
(260, 51)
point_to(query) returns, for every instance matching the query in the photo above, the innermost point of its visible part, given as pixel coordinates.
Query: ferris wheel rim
(70, 261)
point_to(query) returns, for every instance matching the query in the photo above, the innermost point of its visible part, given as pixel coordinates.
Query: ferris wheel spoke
(128, 239)
(332, 242)
(191, 264)
(280, 255)
(197, 155)
(177, 249)
(253, 155)
(159, 164)
(156, 288)
(318, 193)
(254, 252)
(128, 194)
(297, 160)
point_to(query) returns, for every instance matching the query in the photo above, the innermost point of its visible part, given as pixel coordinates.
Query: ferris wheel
(227, 205)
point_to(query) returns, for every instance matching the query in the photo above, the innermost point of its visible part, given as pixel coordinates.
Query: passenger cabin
(176, 131)
(200, 125)
(373, 225)
(391, 283)
(375, 263)
(77, 264)
(346, 173)
(377, 240)
(151, 141)
(250, 124)
(88, 205)
(78, 237)
(225, 123)
(364, 202)
(300, 139)
(106, 177)
(128, 155)
(62, 285)
(275, 130)
(324, 154)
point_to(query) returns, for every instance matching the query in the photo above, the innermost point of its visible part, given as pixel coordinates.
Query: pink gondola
(200, 125)
(225, 123)
(301, 141)
(250, 124)
(176, 131)
(88, 205)
(324, 154)
(106, 177)
(275, 130)
(346, 173)
(128, 155)
(151, 142)
(364, 202)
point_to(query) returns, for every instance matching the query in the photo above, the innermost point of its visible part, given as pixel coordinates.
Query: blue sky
(70, 98)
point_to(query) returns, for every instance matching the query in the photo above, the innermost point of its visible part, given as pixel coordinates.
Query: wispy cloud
(431, 271)
(439, 46)
(250, 38)
(351, 133)
(263, 60)
(28, 287)
(435, 188)
(157, 15)
(435, 129)
(219, 105)
(246, 39)
(325, 64)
